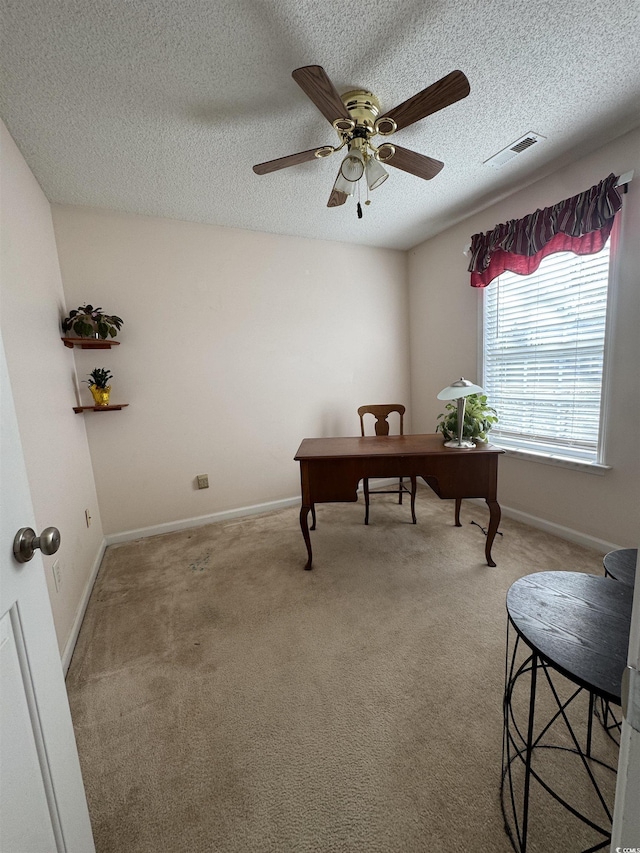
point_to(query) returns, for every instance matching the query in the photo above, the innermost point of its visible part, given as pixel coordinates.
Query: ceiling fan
(356, 118)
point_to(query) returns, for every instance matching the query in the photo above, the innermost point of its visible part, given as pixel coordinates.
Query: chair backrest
(381, 413)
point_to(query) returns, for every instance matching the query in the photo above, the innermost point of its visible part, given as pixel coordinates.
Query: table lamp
(459, 390)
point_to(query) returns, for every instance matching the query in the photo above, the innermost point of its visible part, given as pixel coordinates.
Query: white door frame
(625, 833)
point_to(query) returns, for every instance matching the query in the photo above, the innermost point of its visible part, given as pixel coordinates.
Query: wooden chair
(381, 414)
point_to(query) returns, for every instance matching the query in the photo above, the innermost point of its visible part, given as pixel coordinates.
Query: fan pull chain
(359, 206)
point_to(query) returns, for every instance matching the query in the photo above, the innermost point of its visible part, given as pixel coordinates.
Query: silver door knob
(26, 542)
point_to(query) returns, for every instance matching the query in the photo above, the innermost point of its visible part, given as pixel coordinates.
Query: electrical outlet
(203, 481)
(87, 517)
(57, 575)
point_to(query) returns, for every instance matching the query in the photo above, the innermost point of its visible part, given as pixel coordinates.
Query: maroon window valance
(580, 224)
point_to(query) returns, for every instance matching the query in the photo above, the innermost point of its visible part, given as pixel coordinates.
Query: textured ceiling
(161, 107)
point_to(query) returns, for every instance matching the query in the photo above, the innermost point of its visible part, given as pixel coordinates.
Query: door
(43, 808)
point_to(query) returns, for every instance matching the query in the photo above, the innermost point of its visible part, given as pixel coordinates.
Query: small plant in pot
(98, 385)
(479, 418)
(89, 322)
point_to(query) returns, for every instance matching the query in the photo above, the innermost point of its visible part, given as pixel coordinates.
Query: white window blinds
(543, 352)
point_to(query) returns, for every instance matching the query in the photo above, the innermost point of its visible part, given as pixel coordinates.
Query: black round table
(572, 625)
(621, 565)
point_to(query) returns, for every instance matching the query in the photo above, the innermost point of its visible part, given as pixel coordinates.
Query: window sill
(558, 461)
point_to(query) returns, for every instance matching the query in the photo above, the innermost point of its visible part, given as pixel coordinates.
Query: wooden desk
(331, 468)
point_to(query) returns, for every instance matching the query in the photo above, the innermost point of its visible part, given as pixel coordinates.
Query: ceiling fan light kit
(385, 152)
(342, 185)
(375, 173)
(356, 118)
(352, 167)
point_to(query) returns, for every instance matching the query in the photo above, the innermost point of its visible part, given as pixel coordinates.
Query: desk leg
(494, 521)
(304, 526)
(458, 504)
(414, 486)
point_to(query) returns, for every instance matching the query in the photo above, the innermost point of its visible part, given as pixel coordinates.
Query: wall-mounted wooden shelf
(89, 343)
(79, 409)
(93, 343)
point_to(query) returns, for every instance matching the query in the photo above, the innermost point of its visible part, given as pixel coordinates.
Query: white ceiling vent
(514, 149)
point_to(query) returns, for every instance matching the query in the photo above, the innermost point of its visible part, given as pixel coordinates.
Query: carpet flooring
(225, 700)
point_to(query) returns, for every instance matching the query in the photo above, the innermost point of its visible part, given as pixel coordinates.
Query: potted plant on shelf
(479, 418)
(98, 385)
(89, 322)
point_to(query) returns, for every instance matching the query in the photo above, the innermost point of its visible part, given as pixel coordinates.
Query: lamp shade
(343, 185)
(375, 173)
(352, 167)
(460, 388)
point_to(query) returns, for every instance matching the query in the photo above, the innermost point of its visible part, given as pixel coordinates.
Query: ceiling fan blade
(315, 83)
(414, 163)
(440, 94)
(337, 198)
(284, 162)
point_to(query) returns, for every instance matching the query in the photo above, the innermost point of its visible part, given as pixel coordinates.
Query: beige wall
(42, 380)
(235, 346)
(238, 344)
(444, 345)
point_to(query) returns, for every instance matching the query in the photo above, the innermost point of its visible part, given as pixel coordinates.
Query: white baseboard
(559, 530)
(226, 515)
(199, 521)
(84, 601)
(183, 524)
(128, 535)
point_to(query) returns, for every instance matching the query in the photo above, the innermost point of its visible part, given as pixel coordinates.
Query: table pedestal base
(533, 750)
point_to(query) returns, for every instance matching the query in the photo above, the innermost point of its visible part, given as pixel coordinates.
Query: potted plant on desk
(479, 418)
(98, 385)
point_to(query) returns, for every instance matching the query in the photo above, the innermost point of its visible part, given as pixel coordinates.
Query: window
(543, 356)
